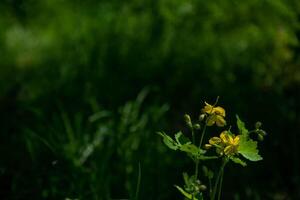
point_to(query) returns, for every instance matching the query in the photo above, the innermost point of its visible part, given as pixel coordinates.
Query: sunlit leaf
(248, 149)
(241, 126)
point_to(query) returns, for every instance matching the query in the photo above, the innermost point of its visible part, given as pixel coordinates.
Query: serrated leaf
(169, 142)
(238, 161)
(248, 149)
(186, 194)
(241, 126)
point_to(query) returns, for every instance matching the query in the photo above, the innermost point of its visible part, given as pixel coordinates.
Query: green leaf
(189, 148)
(187, 195)
(169, 142)
(177, 136)
(192, 149)
(201, 157)
(181, 139)
(238, 161)
(248, 149)
(241, 126)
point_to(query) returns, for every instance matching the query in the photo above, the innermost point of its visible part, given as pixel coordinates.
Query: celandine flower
(215, 115)
(225, 144)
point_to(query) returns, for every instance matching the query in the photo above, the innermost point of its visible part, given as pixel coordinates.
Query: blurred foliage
(67, 66)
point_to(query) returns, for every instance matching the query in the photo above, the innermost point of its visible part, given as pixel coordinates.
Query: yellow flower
(226, 143)
(216, 115)
(209, 109)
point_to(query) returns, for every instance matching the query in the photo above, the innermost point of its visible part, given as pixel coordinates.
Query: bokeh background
(85, 85)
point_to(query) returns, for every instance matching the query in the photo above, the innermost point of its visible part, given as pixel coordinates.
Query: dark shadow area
(85, 86)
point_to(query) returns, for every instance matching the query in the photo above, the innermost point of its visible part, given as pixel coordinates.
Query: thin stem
(202, 134)
(196, 169)
(138, 184)
(197, 161)
(210, 188)
(218, 179)
(193, 135)
(216, 101)
(220, 185)
(204, 129)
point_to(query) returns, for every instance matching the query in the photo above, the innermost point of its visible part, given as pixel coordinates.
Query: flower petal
(207, 108)
(219, 111)
(225, 137)
(211, 120)
(220, 121)
(215, 140)
(236, 140)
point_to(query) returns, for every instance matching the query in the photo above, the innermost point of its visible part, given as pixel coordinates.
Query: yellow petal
(207, 108)
(215, 140)
(236, 140)
(219, 111)
(220, 121)
(225, 137)
(229, 150)
(211, 120)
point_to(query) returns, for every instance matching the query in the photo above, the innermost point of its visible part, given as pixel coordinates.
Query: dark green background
(84, 86)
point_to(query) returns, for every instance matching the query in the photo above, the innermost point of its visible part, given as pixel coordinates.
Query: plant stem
(204, 129)
(210, 188)
(220, 185)
(138, 183)
(218, 179)
(193, 135)
(202, 134)
(196, 169)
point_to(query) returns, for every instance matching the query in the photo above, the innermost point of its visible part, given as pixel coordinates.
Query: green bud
(197, 126)
(187, 118)
(258, 125)
(202, 187)
(201, 117)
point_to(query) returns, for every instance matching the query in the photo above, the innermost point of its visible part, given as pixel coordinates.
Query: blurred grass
(95, 153)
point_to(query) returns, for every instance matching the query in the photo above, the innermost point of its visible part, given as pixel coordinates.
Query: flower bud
(207, 146)
(258, 125)
(202, 187)
(201, 117)
(187, 118)
(197, 126)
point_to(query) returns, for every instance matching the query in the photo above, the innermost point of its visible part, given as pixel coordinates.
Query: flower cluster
(227, 144)
(228, 147)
